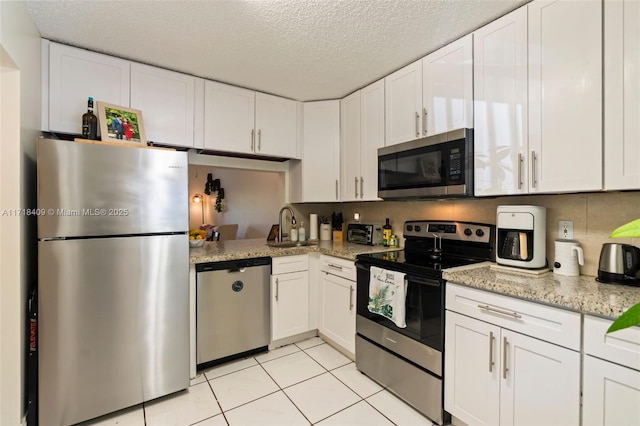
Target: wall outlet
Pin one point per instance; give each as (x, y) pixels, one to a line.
(565, 229)
(356, 217)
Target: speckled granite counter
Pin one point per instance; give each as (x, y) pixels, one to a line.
(246, 249)
(583, 294)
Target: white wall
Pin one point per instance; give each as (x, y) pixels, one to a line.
(19, 124)
(252, 199)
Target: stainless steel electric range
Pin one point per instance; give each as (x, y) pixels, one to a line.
(409, 361)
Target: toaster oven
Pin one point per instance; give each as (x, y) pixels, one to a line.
(361, 233)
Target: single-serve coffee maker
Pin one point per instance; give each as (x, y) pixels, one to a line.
(521, 236)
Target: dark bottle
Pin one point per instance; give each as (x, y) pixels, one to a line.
(386, 233)
(89, 122)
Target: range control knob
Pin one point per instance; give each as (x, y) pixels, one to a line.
(479, 232)
(410, 228)
(418, 228)
(468, 232)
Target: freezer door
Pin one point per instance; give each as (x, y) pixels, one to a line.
(90, 189)
(113, 324)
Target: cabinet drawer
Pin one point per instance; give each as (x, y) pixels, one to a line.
(286, 264)
(621, 347)
(551, 324)
(341, 267)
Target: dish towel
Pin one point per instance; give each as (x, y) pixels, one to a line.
(387, 293)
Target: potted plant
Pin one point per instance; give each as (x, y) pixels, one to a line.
(632, 316)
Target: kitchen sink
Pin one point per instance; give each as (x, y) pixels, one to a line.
(285, 244)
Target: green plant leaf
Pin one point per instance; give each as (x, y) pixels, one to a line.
(628, 319)
(629, 230)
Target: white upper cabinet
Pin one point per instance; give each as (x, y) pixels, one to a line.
(447, 88)
(276, 126)
(166, 99)
(565, 95)
(317, 177)
(621, 94)
(500, 106)
(362, 133)
(371, 138)
(229, 118)
(245, 122)
(350, 123)
(77, 74)
(403, 104)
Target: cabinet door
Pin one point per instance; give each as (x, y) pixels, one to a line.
(540, 382)
(276, 126)
(338, 311)
(500, 106)
(621, 94)
(611, 394)
(448, 87)
(565, 95)
(289, 304)
(472, 370)
(166, 99)
(229, 118)
(321, 151)
(403, 104)
(371, 138)
(77, 74)
(350, 146)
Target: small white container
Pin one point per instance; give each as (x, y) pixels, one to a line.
(293, 234)
(301, 232)
(325, 232)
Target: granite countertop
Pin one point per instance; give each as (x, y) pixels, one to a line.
(246, 249)
(582, 294)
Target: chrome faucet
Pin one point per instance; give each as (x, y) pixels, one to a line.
(293, 222)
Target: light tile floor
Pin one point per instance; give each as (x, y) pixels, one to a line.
(308, 382)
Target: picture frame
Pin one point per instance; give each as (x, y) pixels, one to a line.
(273, 233)
(129, 132)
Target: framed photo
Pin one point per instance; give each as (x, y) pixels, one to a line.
(273, 233)
(121, 124)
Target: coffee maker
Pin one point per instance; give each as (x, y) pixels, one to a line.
(521, 236)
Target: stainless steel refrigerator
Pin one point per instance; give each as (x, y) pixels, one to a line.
(113, 271)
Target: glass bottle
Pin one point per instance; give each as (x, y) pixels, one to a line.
(89, 122)
(386, 233)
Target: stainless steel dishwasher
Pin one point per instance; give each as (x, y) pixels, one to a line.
(232, 309)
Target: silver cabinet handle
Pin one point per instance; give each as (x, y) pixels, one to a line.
(356, 187)
(504, 358)
(491, 339)
(253, 139)
(336, 189)
(331, 265)
(533, 169)
(417, 125)
(277, 288)
(424, 121)
(350, 297)
(500, 311)
(520, 160)
(259, 139)
(361, 187)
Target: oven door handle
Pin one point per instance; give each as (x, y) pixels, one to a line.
(423, 281)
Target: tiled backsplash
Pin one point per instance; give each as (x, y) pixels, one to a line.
(594, 215)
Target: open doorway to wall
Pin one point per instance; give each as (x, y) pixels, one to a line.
(252, 199)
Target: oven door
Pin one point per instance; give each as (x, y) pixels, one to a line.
(422, 340)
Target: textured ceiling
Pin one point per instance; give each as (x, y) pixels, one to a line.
(299, 49)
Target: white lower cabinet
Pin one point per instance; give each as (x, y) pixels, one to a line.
(289, 296)
(337, 319)
(611, 385)
(496, 376)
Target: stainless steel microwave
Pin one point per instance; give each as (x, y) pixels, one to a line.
(437, 166)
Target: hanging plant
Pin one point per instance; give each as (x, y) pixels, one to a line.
(209, 185)
(219, 199)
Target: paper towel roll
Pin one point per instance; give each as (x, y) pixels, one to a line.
(313, 226)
